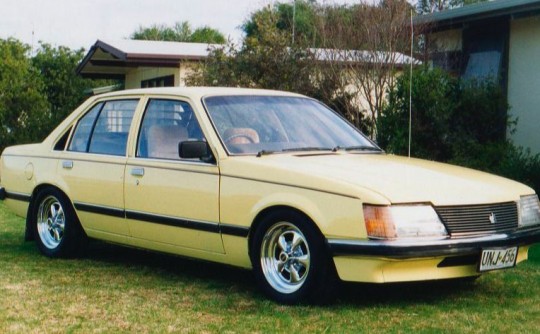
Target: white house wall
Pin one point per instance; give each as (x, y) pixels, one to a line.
(448, 40)
(524, 81)
(136, 75)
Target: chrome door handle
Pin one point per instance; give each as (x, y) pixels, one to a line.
(67, 164)
(137, 171)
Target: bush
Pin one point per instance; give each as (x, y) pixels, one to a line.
(434, 95)
(463, 123)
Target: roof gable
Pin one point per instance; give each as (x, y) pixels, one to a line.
(111, 58)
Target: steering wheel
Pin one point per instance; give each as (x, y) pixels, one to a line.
(240, 139)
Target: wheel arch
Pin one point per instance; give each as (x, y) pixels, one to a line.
(28, 233)
(259, 218)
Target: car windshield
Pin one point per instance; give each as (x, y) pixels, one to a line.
(269, 124)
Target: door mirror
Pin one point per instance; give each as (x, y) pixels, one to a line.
(195, 149)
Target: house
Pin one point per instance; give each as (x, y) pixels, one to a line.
(143, 64)
(499, 39)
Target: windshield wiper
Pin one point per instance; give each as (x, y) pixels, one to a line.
(358, 148)
(294, 149)
(264, 152)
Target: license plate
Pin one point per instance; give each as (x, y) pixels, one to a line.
(497, 258)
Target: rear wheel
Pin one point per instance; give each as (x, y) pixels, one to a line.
(290, 260)
(56, 228)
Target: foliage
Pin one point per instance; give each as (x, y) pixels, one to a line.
(434, 96)
(23, 107)
(63, 89)
(355, 61)
(207, 35)
(365, 48)
(267, 60)
(264, 60)
(464, 123)
(180, 32)
(37, 93)
(302, 14)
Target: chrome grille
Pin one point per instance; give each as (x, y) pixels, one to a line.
(470, 220)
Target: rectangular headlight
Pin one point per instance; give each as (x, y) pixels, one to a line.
(529, 211)
(403, 221)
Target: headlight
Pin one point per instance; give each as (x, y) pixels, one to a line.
(529, 211)
(403, 221)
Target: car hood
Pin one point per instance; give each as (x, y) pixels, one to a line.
(379, 177)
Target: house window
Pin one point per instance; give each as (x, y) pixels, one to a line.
(166, 81)
(485, 51)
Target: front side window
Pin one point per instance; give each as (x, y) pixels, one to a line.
(254, 124)
(105, 128)
(166, 123)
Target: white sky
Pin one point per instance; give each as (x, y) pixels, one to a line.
(79, 23)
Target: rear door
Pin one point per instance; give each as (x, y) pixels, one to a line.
(92, 167)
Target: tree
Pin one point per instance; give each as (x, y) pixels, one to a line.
(23, 107)
(207, 35)
(363, 45)
(301, 14)
(37, 93)
(266, 59)
(180, 32)
(63, 89)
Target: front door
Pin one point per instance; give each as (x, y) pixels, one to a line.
(171, 204)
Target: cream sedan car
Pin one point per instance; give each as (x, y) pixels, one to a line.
(271, 181)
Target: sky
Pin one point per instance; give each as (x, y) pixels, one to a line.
(79, 23)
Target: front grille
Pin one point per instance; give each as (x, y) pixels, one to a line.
(472, 220)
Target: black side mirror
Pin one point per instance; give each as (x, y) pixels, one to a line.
(195, 149)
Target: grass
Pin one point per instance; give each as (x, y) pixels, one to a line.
(115, 289)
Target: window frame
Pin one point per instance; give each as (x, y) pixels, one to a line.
(94, 123)
(149, 99)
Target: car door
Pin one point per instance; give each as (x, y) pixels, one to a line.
(171, 203)
(92, 167)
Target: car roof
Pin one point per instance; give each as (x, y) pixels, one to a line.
(199, 92)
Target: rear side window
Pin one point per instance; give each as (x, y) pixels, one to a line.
(81, 137)
(104, 129)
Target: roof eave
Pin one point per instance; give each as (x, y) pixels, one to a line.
(477, 12)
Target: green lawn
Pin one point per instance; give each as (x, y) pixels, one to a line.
(115, 289)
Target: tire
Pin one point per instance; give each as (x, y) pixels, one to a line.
(290, 259)
(57, 231)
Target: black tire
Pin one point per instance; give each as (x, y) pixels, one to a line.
(303, 271)
(56, 228)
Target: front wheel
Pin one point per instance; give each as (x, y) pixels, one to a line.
(290, 260)
(56, 227)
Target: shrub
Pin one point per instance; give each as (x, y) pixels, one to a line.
(434, 95)
(463, 123)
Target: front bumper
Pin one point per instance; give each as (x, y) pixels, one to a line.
(432, 248)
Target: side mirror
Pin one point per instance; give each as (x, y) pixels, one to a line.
(196, 149)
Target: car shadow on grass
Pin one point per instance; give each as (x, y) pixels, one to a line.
(404, 293)
(219, 277)
(171, 266)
